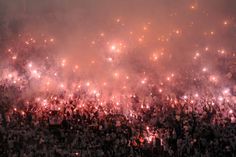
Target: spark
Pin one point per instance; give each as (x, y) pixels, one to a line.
(88, 84)
(10, 75)
(109, 59)
(62, 85)
(118, 20)
(222, 51)
(93, 42)
(76, 67)
(14, 57)
(51, 40)
(30, 65)
(204, 69)
(226, 23)
(193, 7)
(220, 98)
(113, 47)
(116, 74)
(144, 81)
(102, 34)
(63, 63)
(213, 78)
(226, 91)
(177, 32)
(140, 39)
(185, 97)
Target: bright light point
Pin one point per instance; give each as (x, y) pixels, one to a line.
(109, 59)
(92, 61)
(118, 20)
(62, 85)
(196, 95)
(193, 7)
(177, 31)
(220, 98)
(213, 78)
(93, 42)
(226, 91)
(14, 57)
(204, 69)
(160, 90)
(94, 91)
(87, 84)
(154, 57)
(116, 74)
(185, 97)
(30, 65)
(63, 63)
(51, 40)
(140, 39)
(222, 51)
(230, 111)
(10, 75)
(144, 81)
(113, 47)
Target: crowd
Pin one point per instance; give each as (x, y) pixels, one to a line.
(82, 126)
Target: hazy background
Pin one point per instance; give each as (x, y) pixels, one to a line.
(77, 25)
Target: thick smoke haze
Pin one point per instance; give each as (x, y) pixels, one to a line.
(112, 41)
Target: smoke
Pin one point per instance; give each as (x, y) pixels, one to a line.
(124, 43)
